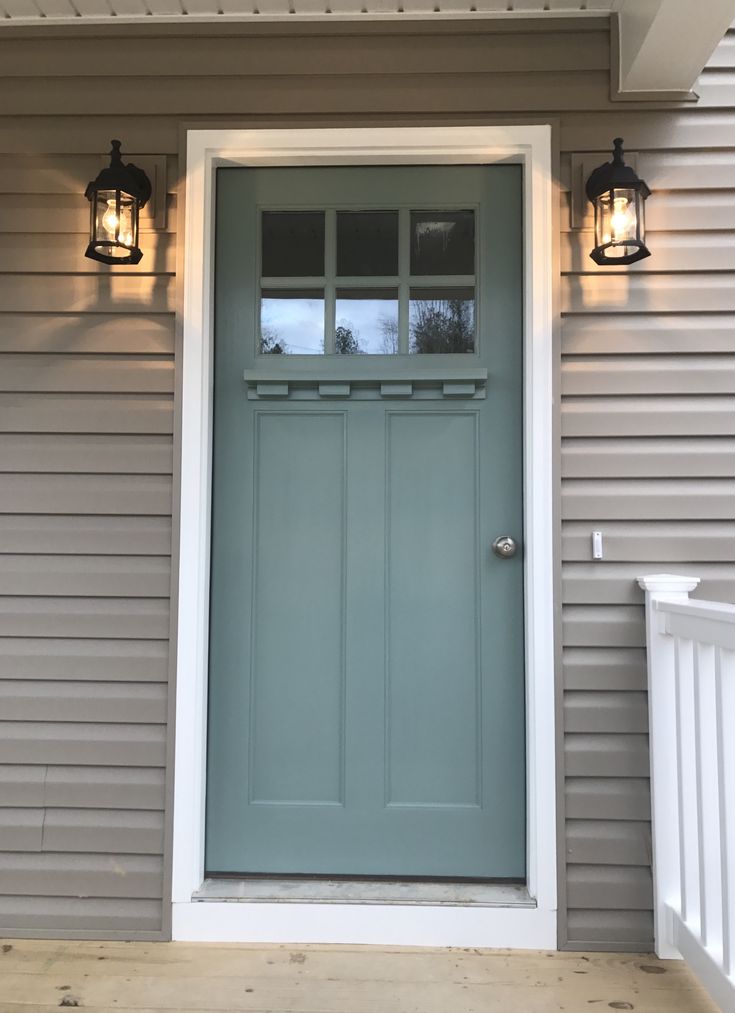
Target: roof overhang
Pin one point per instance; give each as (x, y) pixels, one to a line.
(659, 46)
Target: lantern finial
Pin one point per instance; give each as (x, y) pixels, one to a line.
(115, 156)
(617, 151)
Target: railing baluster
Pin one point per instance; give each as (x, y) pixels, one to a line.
(678, 776)
(691, 902)
(725, 706)
(708, 795)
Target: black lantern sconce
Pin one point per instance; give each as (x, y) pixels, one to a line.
(116, 197)
(618, 196)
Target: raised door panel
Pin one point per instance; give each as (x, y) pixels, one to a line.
(433, 699)
(297, 693)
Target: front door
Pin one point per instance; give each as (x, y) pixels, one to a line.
(366, 684)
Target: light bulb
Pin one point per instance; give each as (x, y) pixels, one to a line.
(622, 219)
(109, 218)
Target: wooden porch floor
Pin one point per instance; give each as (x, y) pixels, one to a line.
(39, 976)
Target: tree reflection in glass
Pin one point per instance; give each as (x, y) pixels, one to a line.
(442, 321)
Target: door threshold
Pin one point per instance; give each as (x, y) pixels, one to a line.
(360, 891)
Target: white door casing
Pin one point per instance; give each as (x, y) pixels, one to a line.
(527, 926)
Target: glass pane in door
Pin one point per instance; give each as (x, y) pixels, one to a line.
(441, 320)
(292, 321)
(367, 321)
(292, 244)
(442, 242)
(367, 243)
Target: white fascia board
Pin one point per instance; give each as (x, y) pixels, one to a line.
(663, 45)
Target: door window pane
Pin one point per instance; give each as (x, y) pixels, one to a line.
(292, 322)
(442, 242)
(367, 243)
(441, 320)
(367, 321)
(293, 244)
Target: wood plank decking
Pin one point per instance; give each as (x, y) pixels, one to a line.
(38, 976)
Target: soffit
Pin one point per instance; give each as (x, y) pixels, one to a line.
(24, 12)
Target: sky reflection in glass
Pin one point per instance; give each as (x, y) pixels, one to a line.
(292, 323)
(367, 321)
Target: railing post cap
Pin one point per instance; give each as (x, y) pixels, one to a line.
(668, 583)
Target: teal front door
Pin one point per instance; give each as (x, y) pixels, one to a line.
(366, 683)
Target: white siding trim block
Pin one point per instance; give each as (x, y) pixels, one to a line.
(532, 926)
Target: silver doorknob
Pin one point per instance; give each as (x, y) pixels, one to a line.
(505, 547)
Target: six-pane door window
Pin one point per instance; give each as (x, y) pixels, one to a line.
(351, 282)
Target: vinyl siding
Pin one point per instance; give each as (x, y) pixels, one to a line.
(86, 415)
(647, 422)
(86, 456)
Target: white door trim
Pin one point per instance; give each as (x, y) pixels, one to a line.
(445, 925)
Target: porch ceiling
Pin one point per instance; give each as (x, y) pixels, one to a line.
(659, 46)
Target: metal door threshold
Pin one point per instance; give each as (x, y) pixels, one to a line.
(361, 891)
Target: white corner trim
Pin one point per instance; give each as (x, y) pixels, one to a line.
(353, 923)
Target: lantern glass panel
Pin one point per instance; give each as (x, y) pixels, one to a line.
(619, 225)
(116, 221)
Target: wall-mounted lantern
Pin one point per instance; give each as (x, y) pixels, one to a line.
(618, 196)
(116, 197)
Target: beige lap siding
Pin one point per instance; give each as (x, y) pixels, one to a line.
(86, 416)
(86, 455)
(648, 457)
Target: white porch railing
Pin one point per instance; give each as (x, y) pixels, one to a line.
(691, 688)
